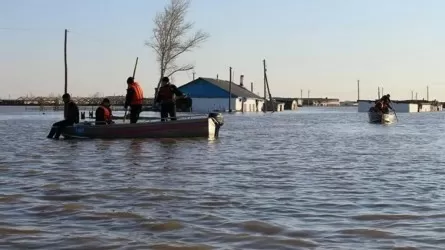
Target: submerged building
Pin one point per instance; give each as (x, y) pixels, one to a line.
(210, 94)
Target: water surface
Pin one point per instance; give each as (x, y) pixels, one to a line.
(318, 178)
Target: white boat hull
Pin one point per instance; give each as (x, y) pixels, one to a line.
(376, 117)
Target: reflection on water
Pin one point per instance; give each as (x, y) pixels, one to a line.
(312, 179)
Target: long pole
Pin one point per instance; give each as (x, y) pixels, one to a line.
(135, 66)
(230, 89)
(134, 74)
(412, 95)
(66, 64)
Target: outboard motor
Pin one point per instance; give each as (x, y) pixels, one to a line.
(218, 118)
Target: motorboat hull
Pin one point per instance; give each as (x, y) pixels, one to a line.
(181, 128)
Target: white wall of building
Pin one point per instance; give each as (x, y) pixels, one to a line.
(363, 106)
(210, 104)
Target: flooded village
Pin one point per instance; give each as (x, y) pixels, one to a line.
(291, 152)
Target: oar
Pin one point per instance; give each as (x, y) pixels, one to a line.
(134, 73)
(395, 113)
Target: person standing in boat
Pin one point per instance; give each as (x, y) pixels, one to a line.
(166, 99)
(134, 99)
(71, 114)
(103, 113)
(386, 106)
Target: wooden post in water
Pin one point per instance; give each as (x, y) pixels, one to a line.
(66, 64)
(230, 89)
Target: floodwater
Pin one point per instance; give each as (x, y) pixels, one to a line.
(318, 178)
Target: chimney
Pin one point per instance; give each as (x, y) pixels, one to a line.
(241, 78)
(251, 87)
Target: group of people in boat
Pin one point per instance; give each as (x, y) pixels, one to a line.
(382, 105)
(165, 100)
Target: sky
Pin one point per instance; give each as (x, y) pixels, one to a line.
(324, 46)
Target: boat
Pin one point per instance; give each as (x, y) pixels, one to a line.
(381, 118)
(183, 127)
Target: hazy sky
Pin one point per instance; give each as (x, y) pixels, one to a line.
(321, 45)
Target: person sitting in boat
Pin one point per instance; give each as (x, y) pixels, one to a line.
(166, 99)
(103, 113)
(71, 114)
(134, 99)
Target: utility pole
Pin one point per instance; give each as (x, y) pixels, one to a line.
(265, 93)
(230, 90)
(427, 93)
(66, 64)
(193, 75)
(358, 90)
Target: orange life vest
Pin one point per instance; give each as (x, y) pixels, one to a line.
(138, 96)
(165, 93)
(107, 113)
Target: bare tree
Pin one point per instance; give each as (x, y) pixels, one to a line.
(170, 37)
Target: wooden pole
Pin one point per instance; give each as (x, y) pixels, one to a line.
(134, 74)
(230, 89)
(66, 64)
(135, 66)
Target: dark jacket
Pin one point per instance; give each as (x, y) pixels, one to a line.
(173, 89)
(129, 97)
(71, 112)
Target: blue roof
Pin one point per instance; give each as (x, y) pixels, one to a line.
(236, 90)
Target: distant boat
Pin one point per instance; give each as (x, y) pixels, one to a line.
(380, 118)
(184, 127)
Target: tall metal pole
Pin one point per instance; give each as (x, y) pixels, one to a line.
(66, 64)
(230, 89)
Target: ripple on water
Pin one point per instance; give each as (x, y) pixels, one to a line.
(320, 179)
